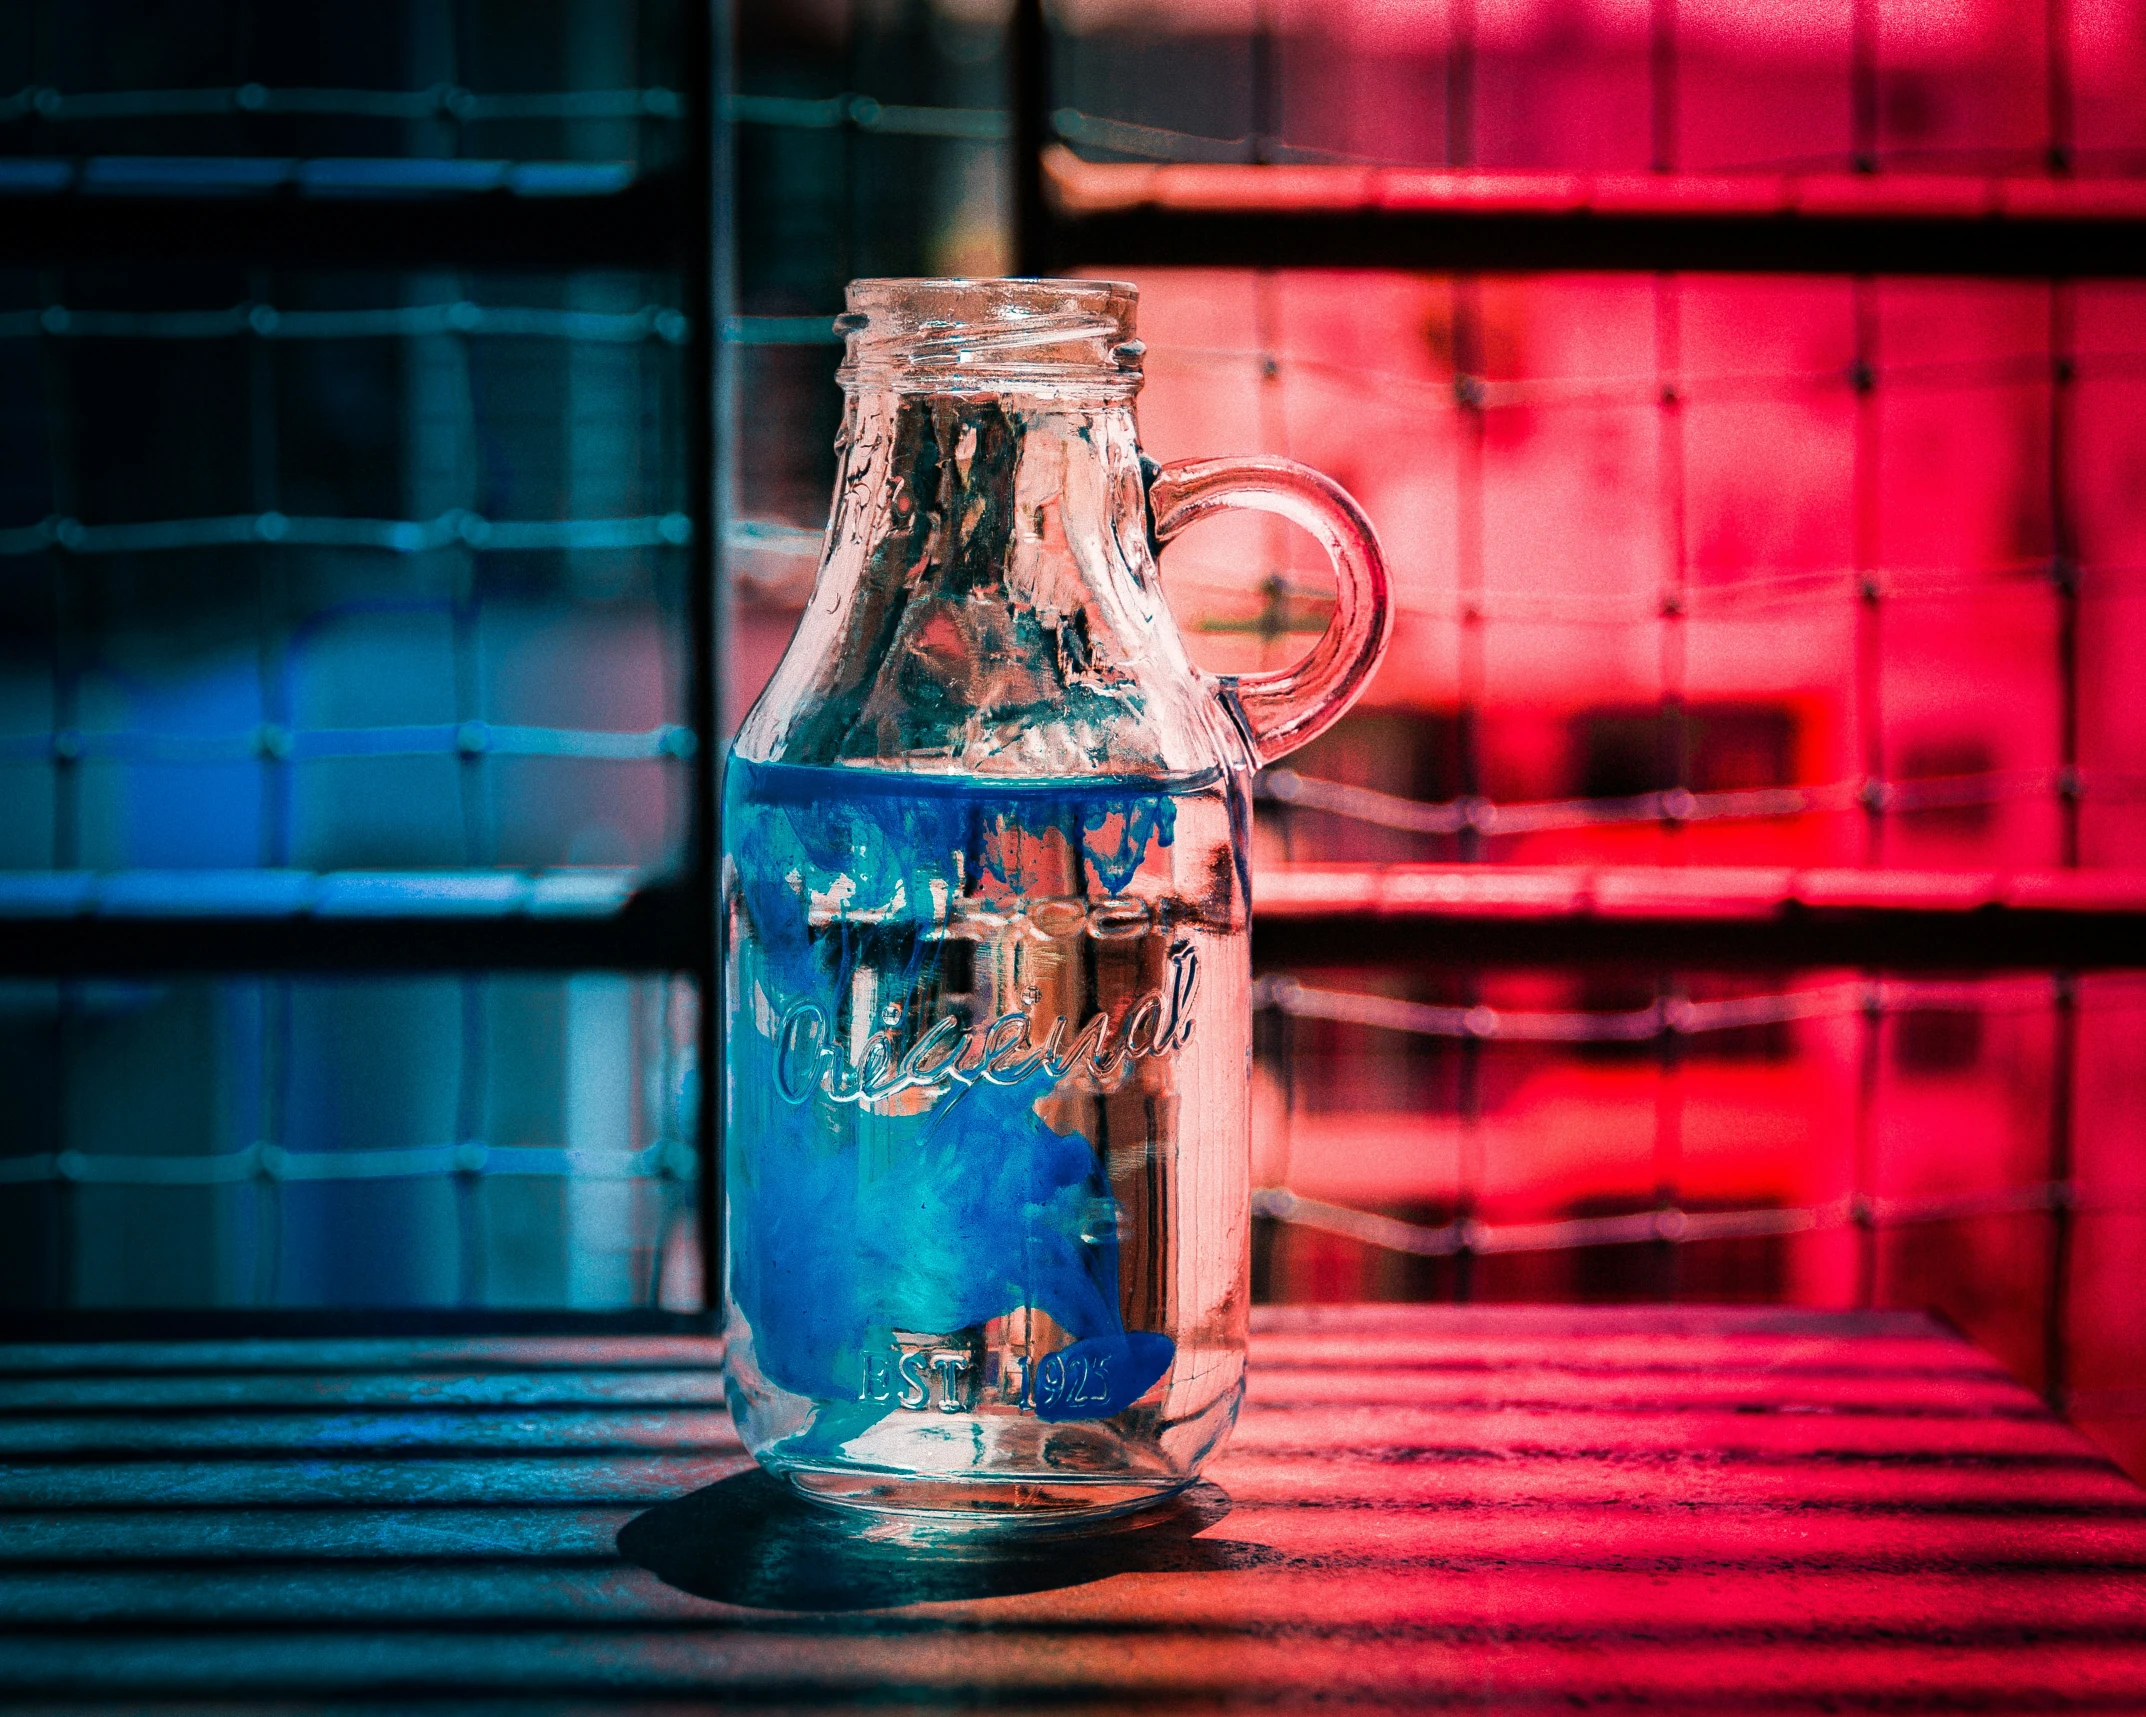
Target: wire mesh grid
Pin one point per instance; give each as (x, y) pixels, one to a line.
(446, 547)
(433, 343)
(1867, 596)
(1878, 601)
(358, 586)
(1686, 591)
(42, 104)
(1867, 593)
(447, 550)
(2032, 88)
(251, 1187)
(1878, 595)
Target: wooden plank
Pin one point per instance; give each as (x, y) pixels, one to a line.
(404, 1430)
(104, 1537)
(1971, 1394)
(193, 1391)
(1421, 1506)
(1709, 1434)
(2087, 1485)
(288, 1481)
(1940, 1668)
(1843, 1332)
(348, 1354)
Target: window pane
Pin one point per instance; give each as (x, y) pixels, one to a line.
(336, 571)
(495, 1141)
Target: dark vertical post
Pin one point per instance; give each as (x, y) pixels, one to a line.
(1029, 60)
(66, 1203)
(1673, 721)
(2057, 22)
(1460, 83)
(710, 267)
(1870, 590)
(2064, 561)
(1273, 438)
(464, 598)
(1270, 1253)
(1863, 1201)
(1469, 395)
(66, 753)
(1266, 125)
(1863, 87)
(278, 1006)
(478, 844)
(2064, 568)
(1470, 1177)
(1662, 89)
(1673, 735)
(278, 795)
(665, 1131)
(2063, 1102)
(272, 646)
(469, 1144)
(1668, 1123)
(67, 603)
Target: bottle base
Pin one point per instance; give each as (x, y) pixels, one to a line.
(998, 1503)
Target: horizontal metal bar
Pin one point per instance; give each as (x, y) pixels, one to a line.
(397, 321)
(1663, 917)
(379, 923)
(1669, 1225)
(560, 220)
(868, 113)
(577, 892)
(115, 1324)
(784, 556)
(437, 101)
(394, 536)
(272, 742)
(1453, 394)
(1676, 1017)
(1679, 805)
(1131, 216)
(665, 1159)
(1307, 916)
(331, 177)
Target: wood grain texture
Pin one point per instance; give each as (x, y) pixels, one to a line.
(1670, 1509)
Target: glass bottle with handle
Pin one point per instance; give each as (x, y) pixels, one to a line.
(985, 911)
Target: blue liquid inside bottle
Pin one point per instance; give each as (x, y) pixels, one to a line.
(967, 1071)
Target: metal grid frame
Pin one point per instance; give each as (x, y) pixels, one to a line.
(445, 214)
(1857, 222)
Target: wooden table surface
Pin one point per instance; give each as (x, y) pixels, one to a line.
(1680, 1508)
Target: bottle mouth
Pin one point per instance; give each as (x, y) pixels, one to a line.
(971, 336)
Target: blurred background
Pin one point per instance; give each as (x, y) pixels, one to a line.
(361, 610)
(353, 505)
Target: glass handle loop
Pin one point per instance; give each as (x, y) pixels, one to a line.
(1283, 710)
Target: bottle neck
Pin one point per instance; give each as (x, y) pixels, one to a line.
(981, 493)
(987, 598)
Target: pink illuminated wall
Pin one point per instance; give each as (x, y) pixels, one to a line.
(1830, 521)
(1856, 501)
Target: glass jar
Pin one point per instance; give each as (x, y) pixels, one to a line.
(985, 908)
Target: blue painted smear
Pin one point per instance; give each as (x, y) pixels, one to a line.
(847, 1226)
